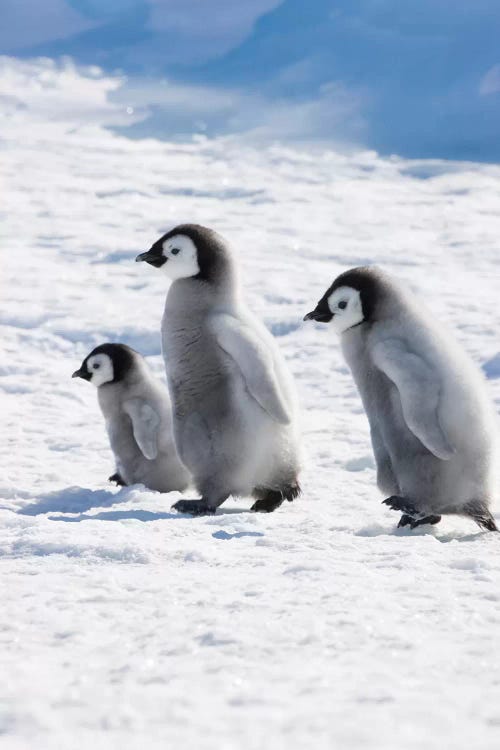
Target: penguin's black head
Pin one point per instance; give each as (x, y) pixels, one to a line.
(189, 251)
(350, 300)
(107, 363)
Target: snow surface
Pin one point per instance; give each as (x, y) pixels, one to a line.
(124, 625)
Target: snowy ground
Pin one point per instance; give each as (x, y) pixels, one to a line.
(125, 626)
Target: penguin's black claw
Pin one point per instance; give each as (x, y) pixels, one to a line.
(193, 507)
(117, 479)
(395, 502)
(268, 502)
(431, 520)
(407, 520)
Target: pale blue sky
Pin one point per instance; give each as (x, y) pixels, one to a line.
(413, 77)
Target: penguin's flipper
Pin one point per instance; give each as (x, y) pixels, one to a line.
(419, 389)
(255, 362)
(145, 423)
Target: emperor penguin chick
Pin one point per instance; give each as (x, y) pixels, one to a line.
(137, 411)
(432, 425)
(235, 421)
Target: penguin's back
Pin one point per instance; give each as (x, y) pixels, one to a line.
(463, 411)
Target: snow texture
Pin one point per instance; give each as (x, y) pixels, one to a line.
(124, 625)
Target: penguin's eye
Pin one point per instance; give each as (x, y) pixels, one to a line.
(175, 250)
(96, 366)
(342, 304)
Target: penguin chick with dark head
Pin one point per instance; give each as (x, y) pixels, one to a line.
(138, 417)
(235, 417)
(432, 424)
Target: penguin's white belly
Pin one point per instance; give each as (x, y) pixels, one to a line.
(221, 429)
(261, 439)
(223, 435)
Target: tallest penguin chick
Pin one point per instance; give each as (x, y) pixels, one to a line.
(432, 425)
(233, 399)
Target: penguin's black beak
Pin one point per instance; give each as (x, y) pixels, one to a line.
(321, 313)
(85, 374)
(154, 257)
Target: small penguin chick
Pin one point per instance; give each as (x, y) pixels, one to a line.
(235, 421)
(138, 417)
(432, 425)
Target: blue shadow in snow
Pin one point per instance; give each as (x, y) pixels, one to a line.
(237, 535)
(119, 515)
(74, 500)
(492, 367)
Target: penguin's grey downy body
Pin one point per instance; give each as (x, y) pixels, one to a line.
(433, 427)
(138, 417)
(235, 420)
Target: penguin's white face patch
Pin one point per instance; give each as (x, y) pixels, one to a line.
(346, 308)
(181, 256)
(100, 367)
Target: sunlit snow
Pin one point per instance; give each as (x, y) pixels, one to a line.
(124, 625)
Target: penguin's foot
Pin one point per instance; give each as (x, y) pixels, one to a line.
(407, 520)
(268, 501)
(291, 491)
(117, 479)
(396, 502)
(194, 507)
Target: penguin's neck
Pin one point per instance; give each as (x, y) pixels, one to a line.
(134, 375)
(191, 298)
(353, 341)
(137, 374)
